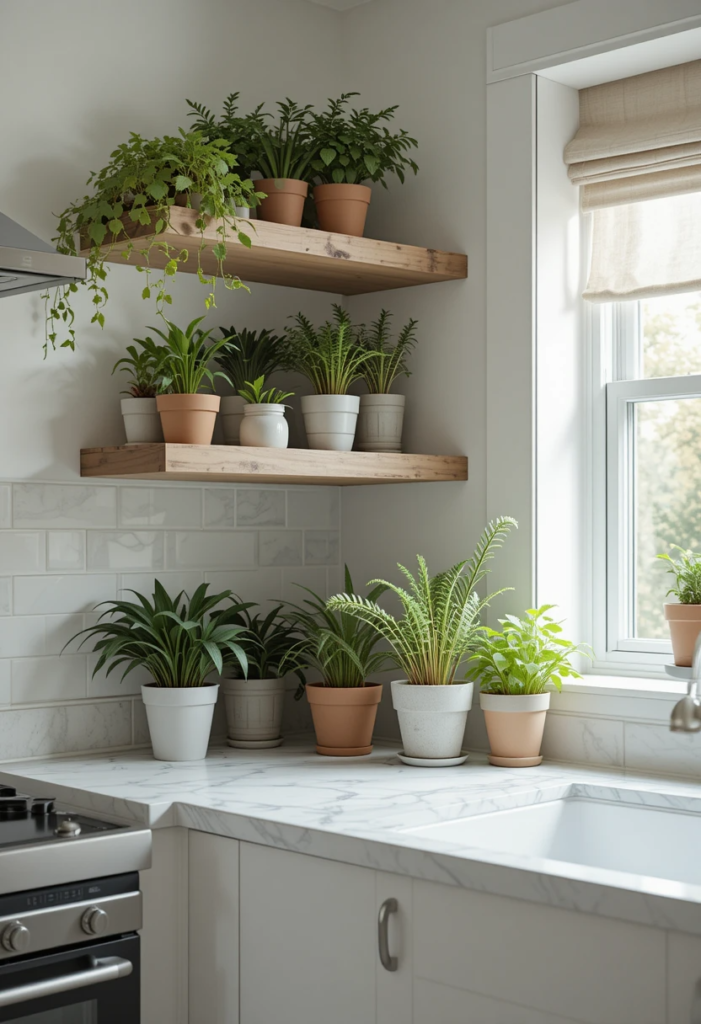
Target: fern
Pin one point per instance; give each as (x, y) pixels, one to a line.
(386, 362)
(329, 357)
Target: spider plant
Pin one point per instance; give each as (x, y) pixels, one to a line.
(284, 149)
(329, 356)
(253, 393)
(144, 368)
(387, 361)
(254, 354)
(179, 640)
(267, 640)
(440, 624)
(338, 645)
(186, 356)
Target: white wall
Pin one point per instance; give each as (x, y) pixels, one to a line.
(77, 78)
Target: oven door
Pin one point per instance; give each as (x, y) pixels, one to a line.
(95, 984)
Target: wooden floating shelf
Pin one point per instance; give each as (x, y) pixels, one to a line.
(225, 463)
(299, 257)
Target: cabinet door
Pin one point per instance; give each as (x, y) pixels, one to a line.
(213, 927)
(308, 939)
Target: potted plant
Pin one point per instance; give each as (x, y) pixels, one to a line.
(254, 354)
(188, 416)
(142, 423)
(180, 641)
(137, 189)
(438, 629)
(255, 702)
(684, 615)
(341, 648)
(513, 667)
(264, 424)
(332, 360)
(352, 147)
(381, 417)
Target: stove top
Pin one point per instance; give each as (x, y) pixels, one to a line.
(28, 820)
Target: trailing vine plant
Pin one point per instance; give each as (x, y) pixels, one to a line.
(137, 189)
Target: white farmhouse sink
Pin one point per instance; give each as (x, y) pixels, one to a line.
(604, 828)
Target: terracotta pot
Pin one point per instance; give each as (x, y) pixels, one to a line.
(344, 717)
(188, 419)
(684, 627)
(515, 724)
(342, 208)
(285, 200)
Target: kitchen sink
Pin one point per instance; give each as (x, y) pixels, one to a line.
(619, 830)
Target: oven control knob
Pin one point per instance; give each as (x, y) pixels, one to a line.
(95, 921)
(16, 937)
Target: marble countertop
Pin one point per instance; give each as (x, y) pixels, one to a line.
(355, 811)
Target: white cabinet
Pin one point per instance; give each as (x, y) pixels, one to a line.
(165, 931)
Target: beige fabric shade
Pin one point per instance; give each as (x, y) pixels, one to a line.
(639, 138)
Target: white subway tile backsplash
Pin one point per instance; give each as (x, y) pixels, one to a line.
(220, 508)
(312, 577)
(314, 508)
(5, 595)
(160, 507)
(37, 595)
(144, 583)
(61, 634)
(53, 506)
(34, 732)
(201, 550)
(675, 753)
(321, 547)
(259, 585)
(5, 682)
(103, 685)
(22, 552)
(260, 508)
(123, 551)
(40, 680)
(280, 547)
(5, 506)
(142, 736)
(583, 740)
(65, 550)
(22, 637)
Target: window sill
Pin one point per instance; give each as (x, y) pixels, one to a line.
(626, 697)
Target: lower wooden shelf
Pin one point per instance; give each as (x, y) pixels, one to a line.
(227, 463)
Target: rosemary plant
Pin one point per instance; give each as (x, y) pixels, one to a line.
(330, 356)
(387, 362)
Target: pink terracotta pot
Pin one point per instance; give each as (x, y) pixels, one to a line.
(188, 419)
(684, 627)
(515, 725)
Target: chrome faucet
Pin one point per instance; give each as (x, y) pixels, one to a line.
(686, 714)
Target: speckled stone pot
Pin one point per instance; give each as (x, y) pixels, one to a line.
(432, 719)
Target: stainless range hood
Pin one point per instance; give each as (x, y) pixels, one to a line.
(27, 264)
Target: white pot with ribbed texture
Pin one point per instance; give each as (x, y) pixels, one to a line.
(432, 719)
(142, 422)
(330, 421)
(380, 423)
(179, 720)
(264, 426)
(253, 711)
(231, 412)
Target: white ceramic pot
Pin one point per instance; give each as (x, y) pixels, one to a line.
(330, 421)
(253, 711)
(231, 412)
(432, 719)
(380, 423)
(244, 212)
(142, 422)
(179, 720)
(264, 426)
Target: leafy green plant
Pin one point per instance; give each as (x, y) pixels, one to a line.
(253, 393)
(352, 146)
(330, 356)
(186, 357)
(387, 362)
(524, 656)
(440, 624)
(179, 640)
(255, 354)
(269, 641)
(339, 646)
(135, 190)
(282, 149)
(686, 569)
(144, 368)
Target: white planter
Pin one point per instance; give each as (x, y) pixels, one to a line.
(514, 702)
(432, 719)
(253, 711)
(244, 212)
(142, 422)
(231, 412)
(264, 426)
(380, 423)
(330, 421)
(180, 720)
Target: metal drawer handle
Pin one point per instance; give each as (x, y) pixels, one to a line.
(110, 968)
(390, 963)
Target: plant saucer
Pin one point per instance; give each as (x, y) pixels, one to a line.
(678, 671)
(255, 744)
(432, 762)
(515, 762)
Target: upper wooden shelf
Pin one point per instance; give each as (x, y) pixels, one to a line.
(226, 463)
(302, 257)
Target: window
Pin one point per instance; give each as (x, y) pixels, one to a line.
(649, 373)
